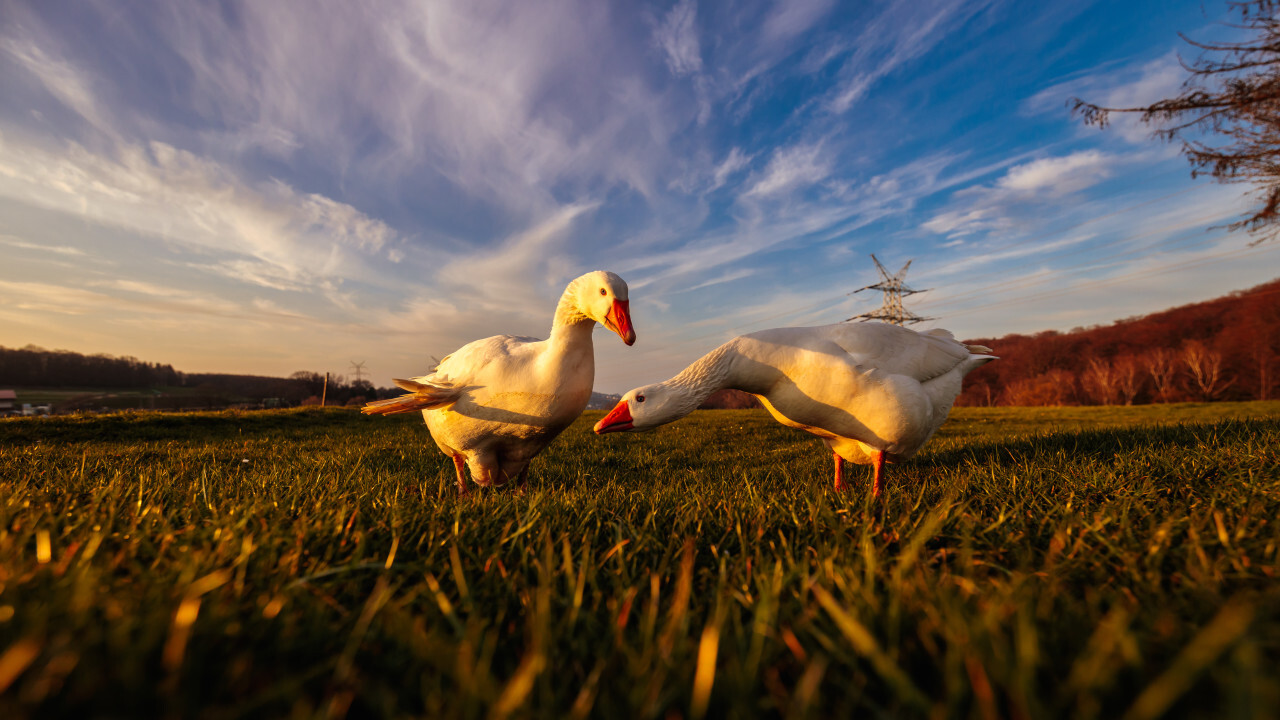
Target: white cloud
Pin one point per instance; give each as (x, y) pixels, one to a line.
(63, 300)
(790, 18)
(497, 102)
(59, 77)
(1057, 176)
(732, 276)
(733, 162)
(529, 269)
(12, 241)
(1131, 86)
(1019, 191)
(899, 34)
(269, 230)
(791, 168)
(677, 37)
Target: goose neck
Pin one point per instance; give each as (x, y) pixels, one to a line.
(570, 324)
(706, 375)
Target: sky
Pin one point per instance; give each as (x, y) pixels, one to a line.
(267, 187)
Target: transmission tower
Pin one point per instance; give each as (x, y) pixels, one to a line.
(894, 288)
(357, 369)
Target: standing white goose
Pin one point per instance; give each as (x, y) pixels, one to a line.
(874, 393)
(496, 403)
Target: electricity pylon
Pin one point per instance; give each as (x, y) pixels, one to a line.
(893, 287)
(357, 368)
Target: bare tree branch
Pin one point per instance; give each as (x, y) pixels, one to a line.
(1233, 91)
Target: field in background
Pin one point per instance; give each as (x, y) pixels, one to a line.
(1046, 562)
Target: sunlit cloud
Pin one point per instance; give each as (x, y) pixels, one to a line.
(1022, 188)
(277, 235)
(399, 180)
(63, 250)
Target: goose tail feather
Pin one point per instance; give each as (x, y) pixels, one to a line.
(422, 396)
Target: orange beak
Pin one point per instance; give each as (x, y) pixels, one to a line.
(619, 418)
(619, 321)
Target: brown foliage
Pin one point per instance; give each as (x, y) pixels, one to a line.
(1100, 382)
(1162, 365)
(729, 399)
(1204, 366)
(1140, 357)
(1128, 378)
(1055, 387)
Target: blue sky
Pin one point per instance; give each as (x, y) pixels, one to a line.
(265, 187)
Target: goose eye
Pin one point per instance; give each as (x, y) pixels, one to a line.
(639, 398)
(602, 292)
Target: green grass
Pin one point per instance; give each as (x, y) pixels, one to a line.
(118, 398)
(1069, 562)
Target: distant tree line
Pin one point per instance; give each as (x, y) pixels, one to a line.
(32, 367)
(1223, 349)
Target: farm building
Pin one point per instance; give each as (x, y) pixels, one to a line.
(8, 401)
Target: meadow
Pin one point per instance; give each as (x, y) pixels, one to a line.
(1029, 563)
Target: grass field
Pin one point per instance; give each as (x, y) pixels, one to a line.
(1030, 563)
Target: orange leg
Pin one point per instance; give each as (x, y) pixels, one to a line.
(839, 473)
(877, 460)
(458, 462)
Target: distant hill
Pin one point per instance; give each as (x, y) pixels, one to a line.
(1222, 349)
(601, 401)
(100, 376)
(162, 387)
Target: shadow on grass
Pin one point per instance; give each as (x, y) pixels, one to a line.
(156, 426)
(1101, 443)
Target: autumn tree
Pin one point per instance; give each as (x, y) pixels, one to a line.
(1128, 378)
(1054, 387)
(1099, 380)
(1204, 366)
(1161, 365)
(1229, 97)
(1264, 362)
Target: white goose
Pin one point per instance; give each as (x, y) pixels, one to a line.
(874, 393)
(496, 403)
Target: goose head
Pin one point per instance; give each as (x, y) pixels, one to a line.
(644, 408)
(602, 296)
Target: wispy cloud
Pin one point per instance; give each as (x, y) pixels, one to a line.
(260, 230)
(677, 37)
(1022, 188)
(790, 168)
(789, 18)
(62, 80)
(527, 270)
(63, 250)
(901, 33)
(1129, 86)
(406, 178)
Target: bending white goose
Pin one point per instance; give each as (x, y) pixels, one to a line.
(874, 393)
(496, 403)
